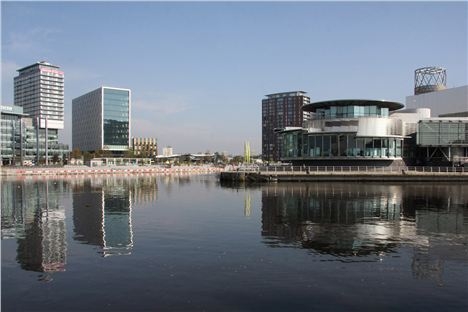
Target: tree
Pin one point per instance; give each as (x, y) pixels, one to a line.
(237, 159)
(55, 158)
(76, 153)
(129, 154)
(220, 158)
(87, 156)
(103, 153)
(42, 160)
(185, 159)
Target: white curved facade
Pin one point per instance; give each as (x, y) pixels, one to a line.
(380, 127)
(347, 130)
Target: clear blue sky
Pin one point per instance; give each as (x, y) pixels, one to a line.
(199, 70)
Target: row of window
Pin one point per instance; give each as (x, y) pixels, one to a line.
(351, 111)
(43, 85)
(442, 134)
(339, 145)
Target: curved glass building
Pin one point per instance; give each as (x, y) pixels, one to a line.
(346, 132)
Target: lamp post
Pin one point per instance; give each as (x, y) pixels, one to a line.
(46, 144)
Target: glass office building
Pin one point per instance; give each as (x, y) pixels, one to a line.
(10, 131)
(101, 120)
(24, 142)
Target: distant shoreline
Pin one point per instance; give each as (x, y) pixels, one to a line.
(119, 170)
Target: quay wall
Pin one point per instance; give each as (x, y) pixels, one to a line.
(402, 176)
(83, 170)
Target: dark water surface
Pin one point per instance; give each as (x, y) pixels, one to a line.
(187, 243)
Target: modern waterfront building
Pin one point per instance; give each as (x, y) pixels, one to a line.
(145, 147)
(10, 132)
(443, 140)
(101, 120)
(451, 100)
(430, 91)
(24, 142)
(39, 90)
(381, 133)
(280, 110)
(346, 132)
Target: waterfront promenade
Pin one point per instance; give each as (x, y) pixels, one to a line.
(343, 173)
(120, 170)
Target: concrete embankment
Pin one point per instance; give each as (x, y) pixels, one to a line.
(83, 170)
(239, 176)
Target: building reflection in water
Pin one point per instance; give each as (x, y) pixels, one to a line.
(34, 215)
(102, 211)
(336, 219)
(352, 220)
(247, 204)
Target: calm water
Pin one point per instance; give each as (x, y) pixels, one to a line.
(185, 243)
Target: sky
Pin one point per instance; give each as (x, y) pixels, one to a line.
(198, 71)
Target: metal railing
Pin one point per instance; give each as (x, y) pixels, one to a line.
(390, 169)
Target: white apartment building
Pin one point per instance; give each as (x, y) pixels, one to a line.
(39, 90)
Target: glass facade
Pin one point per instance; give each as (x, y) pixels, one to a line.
(351, 111)
(300, 144)
(116, 118)
(442, 133)
(10, 129)
(23, 143)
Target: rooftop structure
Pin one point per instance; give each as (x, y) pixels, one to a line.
(429, 79)
(285, 94)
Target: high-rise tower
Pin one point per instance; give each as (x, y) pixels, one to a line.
(39, 90)
(280, 110)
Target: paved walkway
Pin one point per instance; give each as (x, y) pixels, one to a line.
(84, 170)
